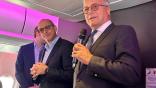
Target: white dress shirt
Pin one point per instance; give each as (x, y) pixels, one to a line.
(100, 30)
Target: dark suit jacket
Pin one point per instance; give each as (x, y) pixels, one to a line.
(116, 60)
(60, 72)
(24, 62)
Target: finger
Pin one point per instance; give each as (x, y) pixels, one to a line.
(40, 63)
(76, 54)
(77, 48)
(34, 65)
(31, 69)
(79, 44)
(37, 66)
(33, 72)
(35, 75)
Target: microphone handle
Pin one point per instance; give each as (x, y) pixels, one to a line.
(74, 62)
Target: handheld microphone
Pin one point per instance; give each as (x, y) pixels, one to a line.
(81, 39)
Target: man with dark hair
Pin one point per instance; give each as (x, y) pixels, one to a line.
(111, 57)
(55, 69)
(27, 56)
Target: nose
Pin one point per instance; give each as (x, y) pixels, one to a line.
(45, 32)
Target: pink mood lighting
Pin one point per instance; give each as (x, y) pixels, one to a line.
(15, 35)
(9, 27)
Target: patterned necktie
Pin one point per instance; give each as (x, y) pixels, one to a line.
(79, 64)
(88, 45)
(90, 40)
(41, 54)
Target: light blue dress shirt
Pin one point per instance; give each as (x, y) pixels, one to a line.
(36, 52)
(49, 48)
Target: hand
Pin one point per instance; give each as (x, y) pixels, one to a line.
(38, 69)
(33, 71)
(41, 68)
(81, 53)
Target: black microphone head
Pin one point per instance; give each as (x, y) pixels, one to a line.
(82, 34)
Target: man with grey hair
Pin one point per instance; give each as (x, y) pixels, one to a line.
(110, 58)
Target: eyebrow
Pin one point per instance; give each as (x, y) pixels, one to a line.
(46, 25)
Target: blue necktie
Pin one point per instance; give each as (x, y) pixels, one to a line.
(90, 40)
(41, 54)
(89, 44)
(80, 66)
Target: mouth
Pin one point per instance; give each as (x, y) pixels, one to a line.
(92, 18)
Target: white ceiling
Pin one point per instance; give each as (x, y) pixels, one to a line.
(71, 9)
(13, 41)
(67, 9)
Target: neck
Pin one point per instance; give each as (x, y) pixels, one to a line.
(49, 41)
(97, 26)
(38, 44)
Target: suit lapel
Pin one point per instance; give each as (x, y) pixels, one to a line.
(32, 53)
(93, 47)
(86, 39)
(102, 36)
(55, 48)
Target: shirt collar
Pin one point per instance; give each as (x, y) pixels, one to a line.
(35, 45)
(51, 44)
(103, 27)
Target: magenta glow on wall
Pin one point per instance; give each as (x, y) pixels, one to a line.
(14, 24)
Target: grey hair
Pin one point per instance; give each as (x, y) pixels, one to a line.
(106, 2)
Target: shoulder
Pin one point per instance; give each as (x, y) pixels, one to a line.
(125, 32)
(66, 42)
(66, 46)
(125, 28)
(27, 45)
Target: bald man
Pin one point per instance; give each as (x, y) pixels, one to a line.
(55, 70)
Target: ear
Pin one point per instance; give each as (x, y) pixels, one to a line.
(55, 29)
(108, 11)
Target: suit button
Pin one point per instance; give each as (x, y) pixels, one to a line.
(95, 75)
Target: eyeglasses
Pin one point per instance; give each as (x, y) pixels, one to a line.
(93, 7)
(46, 28)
